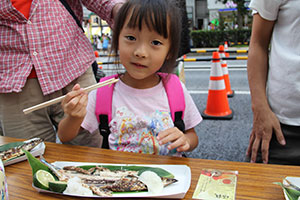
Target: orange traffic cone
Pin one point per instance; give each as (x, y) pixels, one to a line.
(96, 54)
(217, 106)
(226, 48)
(230, 93)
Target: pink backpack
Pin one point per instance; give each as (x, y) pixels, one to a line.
(174, 92)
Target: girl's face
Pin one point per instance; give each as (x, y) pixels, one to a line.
(142, 52)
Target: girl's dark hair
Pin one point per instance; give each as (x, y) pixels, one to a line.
(161, 16)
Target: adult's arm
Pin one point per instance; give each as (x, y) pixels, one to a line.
(265, 121)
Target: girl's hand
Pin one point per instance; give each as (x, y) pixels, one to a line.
(176, 138)
(75, 102)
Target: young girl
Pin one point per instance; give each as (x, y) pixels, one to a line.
(146, 36)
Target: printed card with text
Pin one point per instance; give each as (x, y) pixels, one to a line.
(216, 184)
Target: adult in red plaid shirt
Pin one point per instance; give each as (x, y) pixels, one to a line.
(43, 54)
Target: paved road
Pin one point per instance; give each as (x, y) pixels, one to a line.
(221, 139)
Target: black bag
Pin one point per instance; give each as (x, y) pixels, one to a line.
(97, 72)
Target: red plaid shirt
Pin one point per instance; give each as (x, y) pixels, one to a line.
(49, 40)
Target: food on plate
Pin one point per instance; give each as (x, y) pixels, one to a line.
(76, 187)
(17, 151)
(42, 178)
(57, 186)
(153, 181)
(95, 175)
(103, 181)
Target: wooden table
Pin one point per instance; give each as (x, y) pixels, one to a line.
(255, 181)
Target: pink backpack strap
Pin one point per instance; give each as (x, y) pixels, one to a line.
(104, 97)
(175, 93)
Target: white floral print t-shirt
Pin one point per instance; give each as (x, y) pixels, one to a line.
(138, 115)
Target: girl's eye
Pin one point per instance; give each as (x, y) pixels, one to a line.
(129, 37)
(156, 42)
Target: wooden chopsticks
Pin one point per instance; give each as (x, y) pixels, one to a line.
(59, 99)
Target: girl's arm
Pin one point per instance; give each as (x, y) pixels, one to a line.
(74, 106)
(192, 139)
(187, 141)
(68, 128)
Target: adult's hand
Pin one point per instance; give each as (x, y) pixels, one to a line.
(265, 123)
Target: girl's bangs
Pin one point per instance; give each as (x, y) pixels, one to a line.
(154, 18)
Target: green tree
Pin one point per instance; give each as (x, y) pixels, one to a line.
(241, 10)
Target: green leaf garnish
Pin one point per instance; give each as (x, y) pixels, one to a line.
(35, 163)
(10, 145)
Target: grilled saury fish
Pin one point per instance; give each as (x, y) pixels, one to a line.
(103, 181)
(15, 152)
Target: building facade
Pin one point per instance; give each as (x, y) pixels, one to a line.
(198, 13)
(201, 12)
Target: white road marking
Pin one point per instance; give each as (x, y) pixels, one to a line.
(199, 69)
(206, 92)
(208, 66)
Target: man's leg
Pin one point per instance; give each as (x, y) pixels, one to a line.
(290, 153)
(15, 123)
(1, 131)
